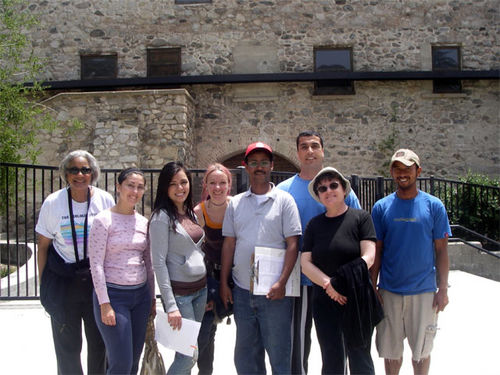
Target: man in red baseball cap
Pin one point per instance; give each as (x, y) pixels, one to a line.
(258, 146)
(262, 216)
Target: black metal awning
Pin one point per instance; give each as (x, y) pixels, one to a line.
(171, 81)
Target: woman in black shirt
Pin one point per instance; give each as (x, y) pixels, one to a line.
(337, 241)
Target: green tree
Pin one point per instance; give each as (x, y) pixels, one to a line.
(476, 206)
(480, 205)
(21, 116)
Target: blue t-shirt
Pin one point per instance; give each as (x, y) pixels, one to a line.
(408, 228)
(308, 206)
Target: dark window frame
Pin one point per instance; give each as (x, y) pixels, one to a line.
(334, 87)
(446, 85)
(153, 67)
(86, 67)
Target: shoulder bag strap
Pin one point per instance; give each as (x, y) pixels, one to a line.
(73, 230)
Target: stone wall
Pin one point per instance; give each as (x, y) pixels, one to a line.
(272, 35)
(465, 258)
(452, 133)
(144, 128)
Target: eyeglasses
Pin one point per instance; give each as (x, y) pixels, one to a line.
(262, 163)
(82, 170)
(324, 188)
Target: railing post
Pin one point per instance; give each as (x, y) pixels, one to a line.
(431, 182)
(355, 184)
(379, 188)
(241, 180)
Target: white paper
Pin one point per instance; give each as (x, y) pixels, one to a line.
(268, 264)
(184, 341)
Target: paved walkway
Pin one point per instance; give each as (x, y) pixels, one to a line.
(467, 342)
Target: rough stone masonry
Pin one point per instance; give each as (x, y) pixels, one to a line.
(204, 123)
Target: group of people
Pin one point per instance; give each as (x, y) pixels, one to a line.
(98, 262)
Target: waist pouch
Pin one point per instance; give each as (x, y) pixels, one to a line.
(70, 270)
(56, 277)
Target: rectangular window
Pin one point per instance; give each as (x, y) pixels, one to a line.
(99, 66)
(164, 62)
(333, 60)
(445, 59)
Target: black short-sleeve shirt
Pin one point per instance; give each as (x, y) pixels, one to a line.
(335, 241)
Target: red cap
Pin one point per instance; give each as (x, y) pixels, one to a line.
(258, 146)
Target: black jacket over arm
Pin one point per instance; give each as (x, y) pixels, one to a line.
(363, 310)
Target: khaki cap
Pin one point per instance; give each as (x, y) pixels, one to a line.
(405, 156)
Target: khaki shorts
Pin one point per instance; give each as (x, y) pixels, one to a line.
(411, 317)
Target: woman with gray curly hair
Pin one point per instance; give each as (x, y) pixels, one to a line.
(63, 228)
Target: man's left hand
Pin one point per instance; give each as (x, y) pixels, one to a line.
(440, 299)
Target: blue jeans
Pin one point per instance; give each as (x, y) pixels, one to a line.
(191, 307)
(125, 340)
(262, 325)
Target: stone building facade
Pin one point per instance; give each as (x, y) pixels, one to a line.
(203, 122)
(121, 128)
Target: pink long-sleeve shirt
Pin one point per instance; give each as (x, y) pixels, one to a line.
(119, 252)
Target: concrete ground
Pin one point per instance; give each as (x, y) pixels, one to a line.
(467, 342)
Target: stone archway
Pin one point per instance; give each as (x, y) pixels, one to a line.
(281, 164)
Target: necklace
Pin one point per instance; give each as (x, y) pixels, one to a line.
(217, 205)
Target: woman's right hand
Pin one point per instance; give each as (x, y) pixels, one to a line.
(175, 319)
(333, 294)
(108, 316)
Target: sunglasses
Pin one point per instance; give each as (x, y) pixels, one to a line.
(324, 188)
(83, 170)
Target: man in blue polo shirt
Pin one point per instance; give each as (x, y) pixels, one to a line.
(262, 216)
(310, 154)
(412, 249)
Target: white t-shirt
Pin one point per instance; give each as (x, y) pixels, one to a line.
(54, 222)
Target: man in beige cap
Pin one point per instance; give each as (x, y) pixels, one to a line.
(412, 249)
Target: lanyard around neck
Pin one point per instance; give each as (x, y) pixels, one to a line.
(73, 230)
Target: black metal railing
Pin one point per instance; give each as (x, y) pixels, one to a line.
(24, 187)
(460, 232)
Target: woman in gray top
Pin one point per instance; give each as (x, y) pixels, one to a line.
(176, 239)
